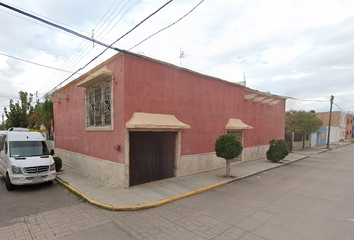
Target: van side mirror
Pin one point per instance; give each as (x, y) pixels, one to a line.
(52, 152)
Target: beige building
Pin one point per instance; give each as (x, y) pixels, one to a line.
(338, 124)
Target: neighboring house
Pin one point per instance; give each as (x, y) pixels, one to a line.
(134, 119)
(338, 124)
(349, 127)
(319, 138)
(353, 128)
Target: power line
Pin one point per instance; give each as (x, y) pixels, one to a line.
(344, 99)
(110, 46)
(2, 100)
(339, 107)
(84, 46)
(38, 64)
(121, 17)
(57, 26)
(167, 26)
(306, 100)
(113, 17)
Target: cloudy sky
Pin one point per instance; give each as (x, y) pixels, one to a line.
(300, 49)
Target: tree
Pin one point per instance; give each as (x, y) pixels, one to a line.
(43, 114)
(48, 115)
(19, 112)
(302, 122)
(228, 147)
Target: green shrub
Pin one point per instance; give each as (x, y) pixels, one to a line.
(58, 163)
(277, 151)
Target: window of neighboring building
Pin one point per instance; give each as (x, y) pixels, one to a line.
(98, 98)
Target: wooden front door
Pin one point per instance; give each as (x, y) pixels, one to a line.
(152, 156)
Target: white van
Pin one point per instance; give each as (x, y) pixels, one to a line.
(25, 158)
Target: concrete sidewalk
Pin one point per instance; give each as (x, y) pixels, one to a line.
(160, 192)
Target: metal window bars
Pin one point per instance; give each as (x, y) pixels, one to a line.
(98, 104)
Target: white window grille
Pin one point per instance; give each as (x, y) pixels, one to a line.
(98, 99)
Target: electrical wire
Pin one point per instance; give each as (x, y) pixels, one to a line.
(122, 17)
(306, 100)
(168, 25)
(344, 99)
(57, 26)
(110, 46)
(82, 50)
(38, 64)
(114, 16)
(84, 47)
(339, 107)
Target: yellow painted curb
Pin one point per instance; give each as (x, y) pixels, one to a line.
(141, 206)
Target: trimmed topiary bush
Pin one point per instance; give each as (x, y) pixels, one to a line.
(277, 151)
(228, 147)
(58, 163)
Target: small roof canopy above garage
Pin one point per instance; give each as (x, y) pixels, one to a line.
(155, 121)
(96, 77)
(235, 124)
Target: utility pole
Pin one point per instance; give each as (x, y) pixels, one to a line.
(330, 121)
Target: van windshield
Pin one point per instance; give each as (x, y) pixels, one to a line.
(28, 148)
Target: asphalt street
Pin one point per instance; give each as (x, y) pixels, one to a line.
(32, 199)
(310, 199)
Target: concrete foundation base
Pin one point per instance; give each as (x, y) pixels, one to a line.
(110, 172)
(191, 164)
(118, 174)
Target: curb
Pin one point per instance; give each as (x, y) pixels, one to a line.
(167, 200)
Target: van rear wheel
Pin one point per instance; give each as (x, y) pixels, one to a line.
(9, 185)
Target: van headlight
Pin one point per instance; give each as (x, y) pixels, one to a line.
(16, 170)
(52, 167)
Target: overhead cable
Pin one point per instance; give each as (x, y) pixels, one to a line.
(38, 64)
(306, 100)
(167, 26)
(339, 107)
(110, 46)
(57, 26)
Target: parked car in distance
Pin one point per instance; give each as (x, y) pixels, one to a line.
(25, 158)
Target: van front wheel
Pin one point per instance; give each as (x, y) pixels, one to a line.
(9, 185)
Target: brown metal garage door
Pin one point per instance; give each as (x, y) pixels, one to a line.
(152, 156)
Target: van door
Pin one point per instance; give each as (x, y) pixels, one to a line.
(3, 154)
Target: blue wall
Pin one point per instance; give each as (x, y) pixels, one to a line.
(321, 141)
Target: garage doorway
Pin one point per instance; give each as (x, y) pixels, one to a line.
(151, 156)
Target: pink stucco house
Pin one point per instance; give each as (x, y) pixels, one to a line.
(134, 119)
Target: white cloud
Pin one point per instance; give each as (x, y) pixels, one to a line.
(293, 48)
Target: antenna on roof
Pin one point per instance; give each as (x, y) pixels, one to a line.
(243, 83)
(182, 54)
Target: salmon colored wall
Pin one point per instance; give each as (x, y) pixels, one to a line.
(69, 117)
(204, 104)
